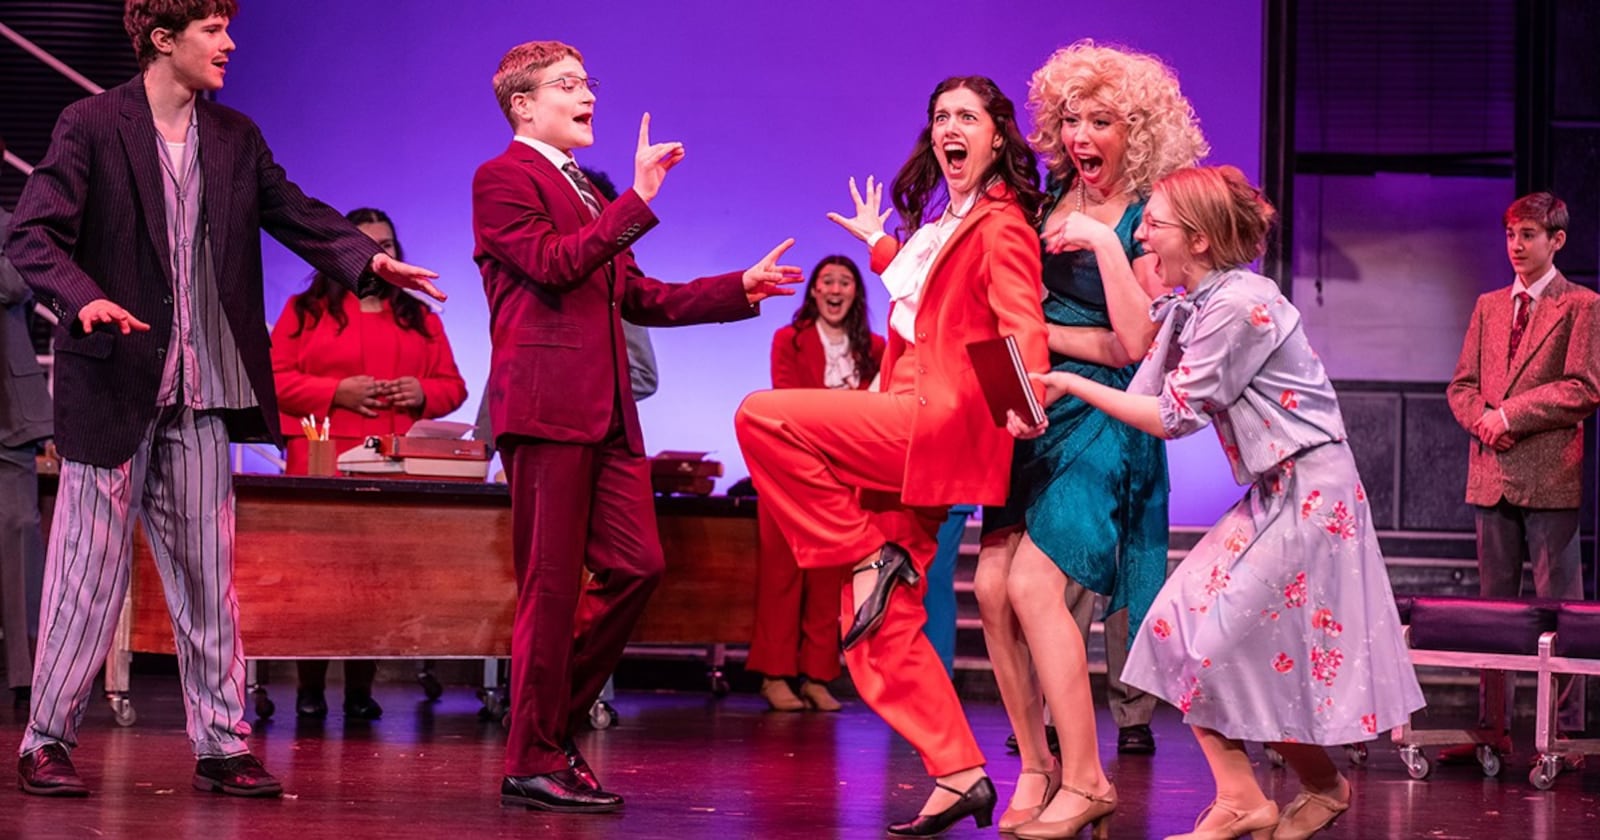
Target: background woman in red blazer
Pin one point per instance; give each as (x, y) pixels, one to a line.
(864, 479)
(828, 344)
(373, 366)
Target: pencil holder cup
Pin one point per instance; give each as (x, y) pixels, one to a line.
(320, 457)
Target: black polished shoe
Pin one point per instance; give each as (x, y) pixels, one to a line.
(48, 771)
(361, 709)
(977, 801)
(561, 791)
(894, 566)
(236, 775)
(1052, 742)
(310, 705)
(579, 767)
(1136, 740)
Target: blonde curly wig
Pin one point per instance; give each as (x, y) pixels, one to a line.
(1163, 131)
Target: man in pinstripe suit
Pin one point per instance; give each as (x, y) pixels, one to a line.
(141, 230)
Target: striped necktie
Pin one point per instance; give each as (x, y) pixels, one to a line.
(585, 189)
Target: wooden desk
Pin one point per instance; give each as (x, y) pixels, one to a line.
(376, 568)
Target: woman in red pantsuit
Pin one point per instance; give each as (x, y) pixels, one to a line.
(372, 366)
(828, 344)
(862, 479)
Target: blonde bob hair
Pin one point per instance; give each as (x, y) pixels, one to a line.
(1163, 131)
(1220, 203)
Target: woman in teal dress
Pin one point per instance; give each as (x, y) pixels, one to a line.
(1088, 495)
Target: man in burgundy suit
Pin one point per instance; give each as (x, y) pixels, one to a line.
(560, 278)
(1528, 376)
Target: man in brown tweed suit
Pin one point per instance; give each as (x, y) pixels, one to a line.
(1529, 375)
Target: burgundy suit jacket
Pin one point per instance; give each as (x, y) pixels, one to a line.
(798, 360)
(559, 283)
(1546, 391)
(91, 223)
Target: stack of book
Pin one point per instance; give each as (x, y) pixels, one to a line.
(687, 473)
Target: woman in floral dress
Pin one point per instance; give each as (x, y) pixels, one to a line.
(1280, 625)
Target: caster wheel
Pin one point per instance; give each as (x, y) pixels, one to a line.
(264, 706)
(602, 715)
(719, 686)
(1275, 757)
(1544, 772)
(1357, 753)
(494, 706)
(122, 711)
(1416, 765)
(430, 686)
(1489, 760)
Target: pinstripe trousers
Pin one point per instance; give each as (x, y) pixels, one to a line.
(179, 485)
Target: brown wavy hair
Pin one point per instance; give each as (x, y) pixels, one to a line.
(142, 17)
(856, 321)
(920, 183)
(325, 296)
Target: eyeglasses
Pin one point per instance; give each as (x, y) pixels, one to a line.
(1154, 223)
(569, 84)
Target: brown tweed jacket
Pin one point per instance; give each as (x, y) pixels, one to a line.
(1546, 392)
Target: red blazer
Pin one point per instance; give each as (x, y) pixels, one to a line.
(798, 360)
(307, 368)
(985, 283)
(559, 282)
(1546, 392)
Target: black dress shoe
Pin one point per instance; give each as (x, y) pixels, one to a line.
(362, 709)
(1052, 742)
(560, 791)
(48, 771)
(977, 801)
(236, 775)
(1136, 740)
(894, 566)
(579, 767)
(310, 705)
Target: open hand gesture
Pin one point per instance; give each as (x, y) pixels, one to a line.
(768, 279)
(867, 220)
(102, 311)
(651, 161)
(406, 275)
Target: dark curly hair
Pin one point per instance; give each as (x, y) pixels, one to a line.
(856, 321)
(920, 181)
(325, 296)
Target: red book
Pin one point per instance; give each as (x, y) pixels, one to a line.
(1006, 387)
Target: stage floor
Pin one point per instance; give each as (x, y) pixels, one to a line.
(689, 766)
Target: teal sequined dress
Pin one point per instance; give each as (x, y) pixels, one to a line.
(1092, 490)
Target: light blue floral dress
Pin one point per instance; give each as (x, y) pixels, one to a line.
(1280, 624)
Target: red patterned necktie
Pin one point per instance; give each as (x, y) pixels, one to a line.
(1519, 320)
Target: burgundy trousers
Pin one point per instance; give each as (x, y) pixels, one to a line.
(588, 556)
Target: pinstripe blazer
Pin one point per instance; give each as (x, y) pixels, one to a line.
(1546, 391)
(91, 224)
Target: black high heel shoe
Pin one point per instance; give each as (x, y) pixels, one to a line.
(893, 565)
(978, 801)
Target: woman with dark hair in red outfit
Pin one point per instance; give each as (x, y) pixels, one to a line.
(828, 344)
(863, 479)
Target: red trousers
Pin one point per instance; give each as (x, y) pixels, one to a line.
(797, 611)
(811, 454)
(573, 507)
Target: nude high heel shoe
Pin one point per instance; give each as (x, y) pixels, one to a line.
(1098, 814)
(1310, 813)
(1014, 818)
(1257, 823)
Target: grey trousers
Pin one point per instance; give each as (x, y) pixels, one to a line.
(21, 560)
(180, 487)
(1508, 537)
(1129, 705)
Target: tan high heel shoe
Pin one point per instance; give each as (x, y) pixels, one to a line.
(1014, 818)
(817, 695)
(1098, 814)
(1258, 823)
(780, 696)
(1310, 813)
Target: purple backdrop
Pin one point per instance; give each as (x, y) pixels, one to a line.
(387, 103)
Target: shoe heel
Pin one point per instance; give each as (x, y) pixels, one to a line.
(1265, 833)
(1102, 828)
(984, 817)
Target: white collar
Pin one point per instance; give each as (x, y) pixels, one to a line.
(1538, 287)
(556, 157)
